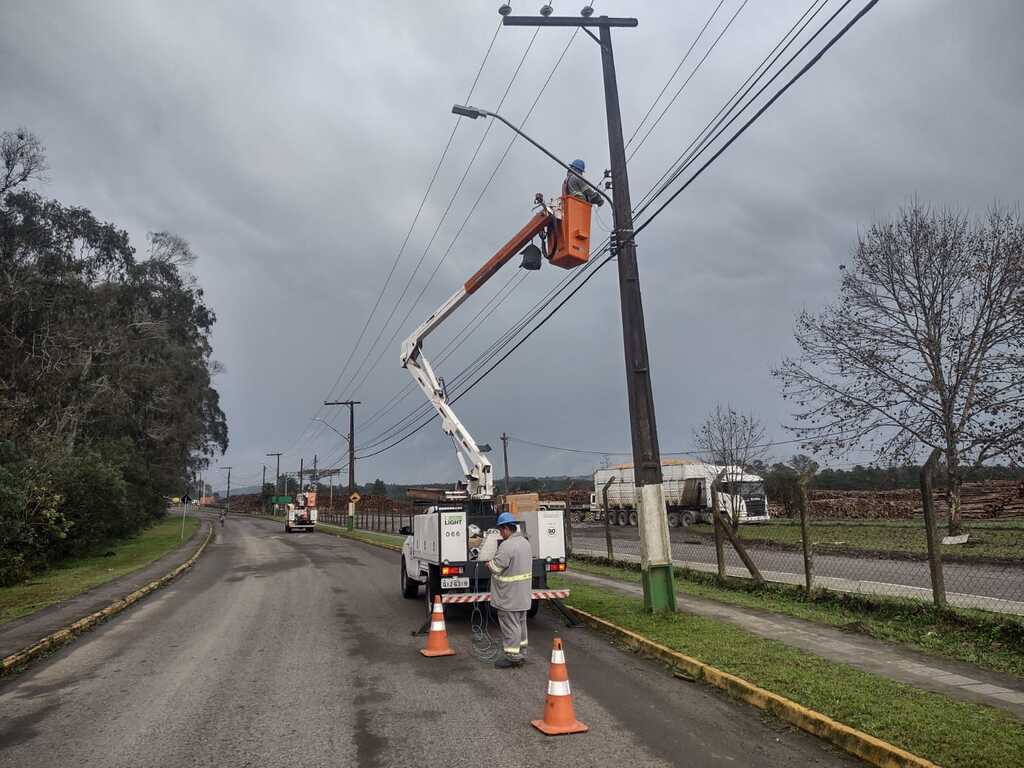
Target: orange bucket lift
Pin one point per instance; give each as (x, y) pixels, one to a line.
(569, 236)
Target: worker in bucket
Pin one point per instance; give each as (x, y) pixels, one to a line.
(511, 590)
(575, 185)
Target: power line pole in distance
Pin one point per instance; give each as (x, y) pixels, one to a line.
(227, 502)
(655, 548)
(504, 450)
(277, 474)
(351, 456)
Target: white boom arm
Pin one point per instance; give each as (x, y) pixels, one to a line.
(475, 465)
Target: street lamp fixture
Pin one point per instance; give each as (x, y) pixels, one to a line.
(331, 427)
(474, 112)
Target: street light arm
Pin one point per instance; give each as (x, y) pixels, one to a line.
(475, 112)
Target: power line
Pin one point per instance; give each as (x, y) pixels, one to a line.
(451, 202)
(405, 241)
(472, 210)
(746, 125)
(688, 79)
(674, 73)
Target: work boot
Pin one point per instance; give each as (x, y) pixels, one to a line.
(507, 663)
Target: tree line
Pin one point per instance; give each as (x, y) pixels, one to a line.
(107, 404)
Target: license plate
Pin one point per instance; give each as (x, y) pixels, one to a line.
(455, 582)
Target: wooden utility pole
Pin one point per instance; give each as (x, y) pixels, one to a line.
(931, 529)
(227, 501)
(277, 473)
(504, 449)
(351, 456)
(655, 547)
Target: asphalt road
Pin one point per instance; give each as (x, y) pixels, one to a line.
(999, 581)
(295, 650)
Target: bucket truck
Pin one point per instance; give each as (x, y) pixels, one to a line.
(446, 548)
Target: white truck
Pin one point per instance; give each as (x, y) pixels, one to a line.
(687, 488)
(445, 548)
(301, 515)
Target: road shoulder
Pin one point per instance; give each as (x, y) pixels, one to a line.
(26, 631)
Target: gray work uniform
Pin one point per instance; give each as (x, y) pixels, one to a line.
(512, 591)
(575, 186)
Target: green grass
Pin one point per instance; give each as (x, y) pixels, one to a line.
(951, 733)
(72, 577)
(987, 640)
(904, 537)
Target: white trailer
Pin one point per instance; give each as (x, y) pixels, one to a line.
(687, 488)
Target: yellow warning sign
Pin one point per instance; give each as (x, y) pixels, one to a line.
(355, 497)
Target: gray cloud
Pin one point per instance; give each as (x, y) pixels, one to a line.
(291, 146)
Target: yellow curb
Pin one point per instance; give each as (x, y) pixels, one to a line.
(61, 636)
(865, 746)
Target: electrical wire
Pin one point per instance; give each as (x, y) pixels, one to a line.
(686, 82)
(408, 234)
(806, 68)
(472, 210)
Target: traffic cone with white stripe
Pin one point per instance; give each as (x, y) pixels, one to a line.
(437, 638)
(559, 716)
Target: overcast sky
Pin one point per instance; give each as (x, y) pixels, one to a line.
(292, 143)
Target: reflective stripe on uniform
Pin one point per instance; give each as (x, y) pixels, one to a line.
(517, 577)
(558, 687)
(511, 649)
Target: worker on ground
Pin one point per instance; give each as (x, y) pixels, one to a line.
(511, 590)
(574, 185)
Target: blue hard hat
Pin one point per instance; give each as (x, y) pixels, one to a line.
(505, 518)
(579, 165)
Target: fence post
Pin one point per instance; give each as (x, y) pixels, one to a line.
(716, 520)
(805, 534)
(931, 530)
(607, 520)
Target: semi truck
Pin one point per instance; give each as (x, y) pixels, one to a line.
(687, 489)
(447, 547)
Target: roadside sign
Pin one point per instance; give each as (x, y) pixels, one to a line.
(281, 499)
(186, 499)
(355, 497)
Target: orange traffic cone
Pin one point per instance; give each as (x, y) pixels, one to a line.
(437, 638)
(558, 717)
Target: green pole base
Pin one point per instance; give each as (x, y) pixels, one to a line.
(351, 522)
(659, 589)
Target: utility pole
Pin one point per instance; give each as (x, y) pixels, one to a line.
(277, 474)
(655, 549)
(504, 450)
(301, 472)
(351, 456)
(263, 483)
(227, 502)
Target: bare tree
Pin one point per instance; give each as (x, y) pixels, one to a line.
(23, 157)
(732, 440)
(924, 347)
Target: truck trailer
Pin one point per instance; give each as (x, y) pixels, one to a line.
(687, 487)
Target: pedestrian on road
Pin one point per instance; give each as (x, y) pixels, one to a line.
(511, 590)
(574, 185)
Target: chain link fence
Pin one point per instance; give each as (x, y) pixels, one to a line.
(887, 558)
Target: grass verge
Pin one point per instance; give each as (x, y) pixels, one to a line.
(984, 639)
(907, 538)
(951, 733)
(72, 577)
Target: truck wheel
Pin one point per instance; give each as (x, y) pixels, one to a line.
(688, 518)
(410, 588)
(623, 518)
(534, 607)
(673, 519)
(633, 519)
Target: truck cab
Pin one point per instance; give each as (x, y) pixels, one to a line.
(442, 552)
